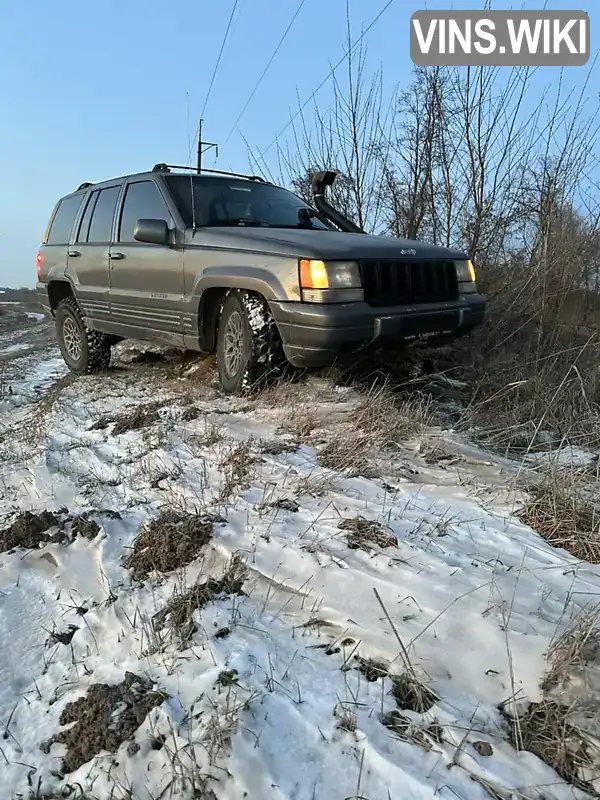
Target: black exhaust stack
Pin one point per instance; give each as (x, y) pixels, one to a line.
(318, 183)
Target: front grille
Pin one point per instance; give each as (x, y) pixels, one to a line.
(391, 283)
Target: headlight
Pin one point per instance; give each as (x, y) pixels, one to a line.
(329, 274)
(330, 281)
(465, 271)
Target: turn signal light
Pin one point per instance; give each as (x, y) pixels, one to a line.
(313, 274)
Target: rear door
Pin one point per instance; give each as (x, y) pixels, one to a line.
(146, 280)
(55, 243)
(88, 260)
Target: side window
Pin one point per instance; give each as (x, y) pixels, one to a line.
(84, 225)
(142, 201)
(102, 216)
(60, 229)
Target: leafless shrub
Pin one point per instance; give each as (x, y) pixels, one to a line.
(477, 159)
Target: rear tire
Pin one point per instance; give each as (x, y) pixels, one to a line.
(84, 350)
(249, 349)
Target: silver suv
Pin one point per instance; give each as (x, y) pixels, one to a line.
(220, 261)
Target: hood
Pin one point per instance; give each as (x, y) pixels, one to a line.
(302, 243)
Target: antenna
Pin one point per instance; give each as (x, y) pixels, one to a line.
(203, 147)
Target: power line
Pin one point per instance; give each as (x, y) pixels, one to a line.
(214, 75)
(264, 72)
(331, 72)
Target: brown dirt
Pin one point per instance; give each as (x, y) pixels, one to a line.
(178, 614)
(364, 533)
(32, 530)
(86, 527)
(411, 695)
(170, 541)
(98, 726)
(29, 531)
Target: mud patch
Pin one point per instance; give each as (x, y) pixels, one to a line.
(105, 718)
(170, 541)
(178, 614)
(363, 534)
(30, 531)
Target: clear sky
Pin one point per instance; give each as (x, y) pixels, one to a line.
(92, 89)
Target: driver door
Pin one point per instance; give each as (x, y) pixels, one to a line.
(146, 280)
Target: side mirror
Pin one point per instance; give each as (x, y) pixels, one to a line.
(152, 231)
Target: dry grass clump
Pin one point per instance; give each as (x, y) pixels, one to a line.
(544, 729)
(235, 466)
(170, 541)
(577, 646)
(412, 695)
(349, 453)
(105, 718)
(346, 718)
(134, 420)
(564, 521)
(178, 614)
(372, 669)
(364, 533)
(389, 418)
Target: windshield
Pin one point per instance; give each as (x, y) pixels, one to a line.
(227, 201)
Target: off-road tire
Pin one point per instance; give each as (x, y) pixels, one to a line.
(262, 360)
(94, 355)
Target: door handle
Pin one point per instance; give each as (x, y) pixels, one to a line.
(116, 256)
(73, 253)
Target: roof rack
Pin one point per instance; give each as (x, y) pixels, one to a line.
(84, 186)
(169, 167)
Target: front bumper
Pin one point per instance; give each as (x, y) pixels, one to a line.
(315, 335)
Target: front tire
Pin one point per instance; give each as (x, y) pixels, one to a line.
(249, 349)
(84, 350)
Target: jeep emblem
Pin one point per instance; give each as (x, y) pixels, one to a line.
(408, 252)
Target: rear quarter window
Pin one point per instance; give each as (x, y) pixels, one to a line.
(63, 220)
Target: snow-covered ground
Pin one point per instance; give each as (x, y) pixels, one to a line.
(412, 557)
